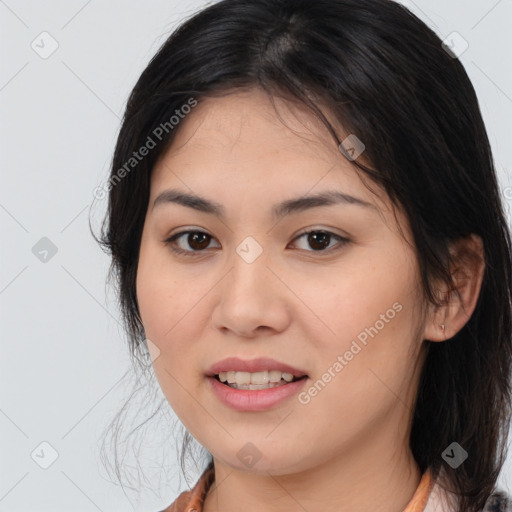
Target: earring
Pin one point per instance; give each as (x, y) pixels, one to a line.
(442, 327)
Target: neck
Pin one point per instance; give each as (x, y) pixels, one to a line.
(372, 476)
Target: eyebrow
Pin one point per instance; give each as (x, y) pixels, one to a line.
(287, 207)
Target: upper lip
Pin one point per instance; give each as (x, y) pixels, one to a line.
(252, 365)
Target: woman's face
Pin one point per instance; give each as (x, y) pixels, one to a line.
(341, 305)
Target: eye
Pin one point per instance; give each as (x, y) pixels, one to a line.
(196, 240)
(320, 240)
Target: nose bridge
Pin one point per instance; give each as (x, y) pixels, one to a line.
(250, 250)
(249, 264)
(248, 297)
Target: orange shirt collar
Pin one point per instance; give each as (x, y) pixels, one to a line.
(192, 501)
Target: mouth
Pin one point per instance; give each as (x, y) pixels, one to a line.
(254, 384)
(254, 374)
(257, 380)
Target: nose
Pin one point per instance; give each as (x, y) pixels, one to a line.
(251, 299)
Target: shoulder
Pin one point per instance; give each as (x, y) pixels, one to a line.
(499, 501)
(185, 501)
(440, 500)
(193, 499)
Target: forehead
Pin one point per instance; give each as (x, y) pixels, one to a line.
(245, 119)
(244, 139)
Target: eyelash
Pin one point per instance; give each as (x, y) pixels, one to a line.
(342, 241)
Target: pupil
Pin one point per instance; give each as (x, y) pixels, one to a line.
(193, 239)
(319, 238)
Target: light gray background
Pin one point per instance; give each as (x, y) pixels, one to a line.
(63, 351)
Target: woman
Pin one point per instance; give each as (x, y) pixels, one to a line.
(307, 232)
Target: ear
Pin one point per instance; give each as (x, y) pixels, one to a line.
(467, 271)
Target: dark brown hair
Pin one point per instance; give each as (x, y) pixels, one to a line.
(385, 76)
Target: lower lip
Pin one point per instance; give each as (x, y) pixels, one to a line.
(257, 399)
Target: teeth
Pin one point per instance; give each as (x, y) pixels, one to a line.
(274, 376)
(259, 378)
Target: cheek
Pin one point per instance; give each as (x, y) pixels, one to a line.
(351, 297)
(154, 297)
(366, 311)
(164, 305)
(172, 313)
(164, 296)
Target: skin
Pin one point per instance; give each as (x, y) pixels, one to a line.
(347, 448)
